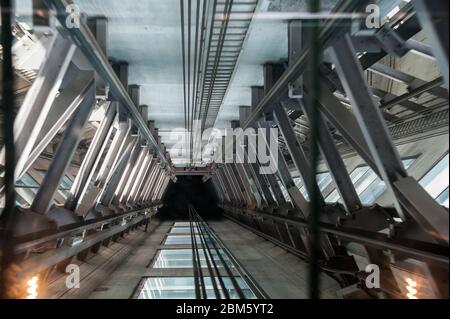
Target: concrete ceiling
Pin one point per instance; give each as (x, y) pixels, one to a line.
(147, 35)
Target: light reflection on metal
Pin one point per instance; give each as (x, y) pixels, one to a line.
(411, 287)
(307, 15)
(32, 287)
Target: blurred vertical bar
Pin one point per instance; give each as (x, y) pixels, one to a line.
(312, 77)
(7, 106)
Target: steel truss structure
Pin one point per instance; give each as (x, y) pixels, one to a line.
(413, 235)
(122, 168)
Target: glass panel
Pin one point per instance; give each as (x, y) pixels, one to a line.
(443, 198)
(182, 258)
(367, 184)
(435, 182)
(182, 230)
(28, 191)
(168, 288)
(66, 184)
(323, 180)
(183, 240)
(183, 224)
(285, 192)
(21, 202)
(184, 288)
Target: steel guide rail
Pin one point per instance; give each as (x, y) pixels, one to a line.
(377, 240)
(211, 242)
(29, 241)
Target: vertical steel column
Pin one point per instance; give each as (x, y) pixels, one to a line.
(119, 142)
(99, 28)
(8, 216)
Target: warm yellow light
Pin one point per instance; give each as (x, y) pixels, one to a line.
(411, 282)
(411, 296)
(411, 290)
(410, 287)
(32, 287)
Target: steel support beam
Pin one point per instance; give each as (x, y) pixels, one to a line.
(62, 109)
(133, 172)
(295, 149)
(432, 218)
(117, 147)
(39, 99)
(143, 168)
(116, 176)
(344, 121)
(63, 156)
(131, 161)
(151, 181)
(87, 43)
(334, 161)
(91, 159)
(150, 167)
